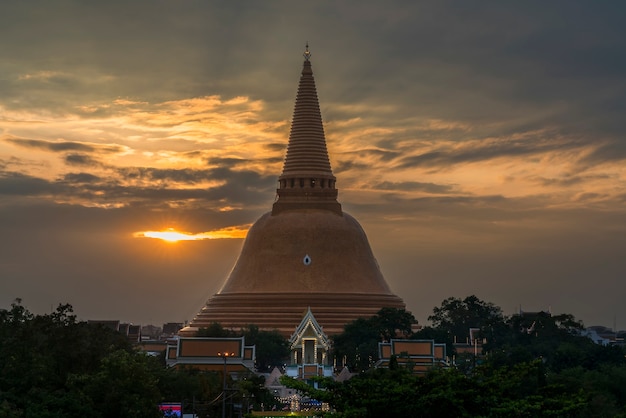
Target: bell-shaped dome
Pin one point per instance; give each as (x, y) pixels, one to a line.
(305, 253)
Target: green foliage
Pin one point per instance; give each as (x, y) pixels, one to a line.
(555, 339)
(49, 362)
(125, 385)
(521, 391)
(358, 344)
(457, 316)
(216, 330)
(53, 366)
(393, 323)
(252, 391)
(272, 349)
(533, 366)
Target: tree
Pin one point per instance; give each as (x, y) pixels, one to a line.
(393, 323)
(272, 349)
(125, 386)
(357, 346)
(555, 339)
(457, 316)
(358, 343)
(215, 330)
(47, 363)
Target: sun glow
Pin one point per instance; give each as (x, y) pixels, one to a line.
(171, 235)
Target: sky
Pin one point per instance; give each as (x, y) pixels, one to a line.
(481, 145)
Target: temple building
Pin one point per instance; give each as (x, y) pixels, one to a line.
(310, 349)
(307, 253)
(420, 356)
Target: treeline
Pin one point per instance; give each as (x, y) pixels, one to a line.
(52, 366)
(530, 365)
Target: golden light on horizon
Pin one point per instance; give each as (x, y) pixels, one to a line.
(171, 235)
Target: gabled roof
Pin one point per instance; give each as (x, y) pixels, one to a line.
(274, 378)
(210, 353)
(309, 327)
(344, 375)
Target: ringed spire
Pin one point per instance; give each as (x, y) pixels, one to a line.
(307, 180)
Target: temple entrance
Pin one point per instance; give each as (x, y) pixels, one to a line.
(309, 351)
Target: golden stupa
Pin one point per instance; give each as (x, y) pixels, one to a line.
(306, 252)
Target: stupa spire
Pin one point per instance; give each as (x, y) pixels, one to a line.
(307, 181)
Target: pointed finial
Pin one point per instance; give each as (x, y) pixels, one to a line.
(307, 53)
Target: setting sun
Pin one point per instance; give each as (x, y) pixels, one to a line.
(171, 235)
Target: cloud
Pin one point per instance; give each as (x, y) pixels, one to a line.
(81, 178)
(18, 184)
(81, 159)
(612, 151)
(525, 144)
(571, 180)
(64, 146)
(210, 188)
(183, 175)
(414, 186)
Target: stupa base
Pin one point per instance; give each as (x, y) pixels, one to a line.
(284, 311)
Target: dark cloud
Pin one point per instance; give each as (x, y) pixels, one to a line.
(276, 147)
(64, 146)
(414, 186)
(153, 189)
(51, 146)
(183, 175)
(81, 159)
(81, 178)
(363, 159)
(570, 180)
(611, 151)
(234, 163)
(490, 149)
(378, 154)
(245, 179)
(345, 165)
(18, 184)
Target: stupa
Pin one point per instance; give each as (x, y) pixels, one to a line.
(307, 252)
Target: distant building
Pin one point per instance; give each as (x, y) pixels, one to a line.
(212, 354)
(171, 328)
(472, 345)
(604, 336)
(111, 324)
(132, 332)
(417, 355)
(151, 332)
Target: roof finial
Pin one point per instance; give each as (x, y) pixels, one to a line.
(307, 53)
